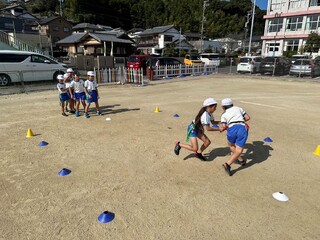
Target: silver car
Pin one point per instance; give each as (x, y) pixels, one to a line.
(305, 67)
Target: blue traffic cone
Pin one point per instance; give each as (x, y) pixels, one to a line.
(106, 217)
(267, 139)
(64, 172)
(176, 115)
(42, 144)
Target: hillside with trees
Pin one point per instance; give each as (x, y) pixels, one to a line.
(222, 18)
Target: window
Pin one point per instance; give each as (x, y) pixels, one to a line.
(55, 28)
(66, 29)
(313, 22)
(8, 26)
(293, 45)
(40, 59)
(4, 57)
(294, 24)
(276, 5)
(296, 4)
(167, 38)
(314, 3)
(275, 25)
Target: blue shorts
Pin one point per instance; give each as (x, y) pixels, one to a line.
(80, 96)
(238, 135)
(64, 97)
(69, 94)
(94, 97)
(193, 133)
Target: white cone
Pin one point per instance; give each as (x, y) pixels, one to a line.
(280, 196)
(108, 119)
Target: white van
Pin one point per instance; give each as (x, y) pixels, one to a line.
(28, 65)
(215, 59)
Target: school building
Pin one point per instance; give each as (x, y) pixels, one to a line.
(288, 24)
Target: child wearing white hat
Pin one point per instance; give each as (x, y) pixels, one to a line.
(91, 90)
(63, 93)
(77, 92)
(68, 78)
(196, 130)
(234, 119)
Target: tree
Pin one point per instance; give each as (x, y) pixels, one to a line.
(312, 43)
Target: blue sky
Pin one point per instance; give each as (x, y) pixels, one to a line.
(262, 4)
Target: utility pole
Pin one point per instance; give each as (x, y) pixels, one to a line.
(202, 23)
(61, 1)
(252, 22)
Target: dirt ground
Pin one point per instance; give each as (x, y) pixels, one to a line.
(127, 165)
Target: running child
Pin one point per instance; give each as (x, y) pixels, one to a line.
(234, 119)
(63, 93)
(91, 90)
(77, 93)
(68, 78)
(196, 130)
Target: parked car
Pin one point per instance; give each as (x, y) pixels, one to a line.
(299, 56)
(216, 59)
(29, 66)
(302, 67)
(192, 60)
(162, 61)
(138, 61)
(249, 64)
(277, 65)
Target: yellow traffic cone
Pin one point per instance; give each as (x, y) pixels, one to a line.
(157, 109)
(317, 151)
(29, 133)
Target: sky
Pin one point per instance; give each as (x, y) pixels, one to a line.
(262, 4)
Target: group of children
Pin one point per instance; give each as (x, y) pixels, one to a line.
(73, 90)
(233, 119)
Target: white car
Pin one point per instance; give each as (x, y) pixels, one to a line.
(249, 64)
(17, 66)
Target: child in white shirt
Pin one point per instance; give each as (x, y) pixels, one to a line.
(91, 90)
(77, 92)
(63, 93)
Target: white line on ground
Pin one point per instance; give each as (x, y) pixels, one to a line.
(264, 105)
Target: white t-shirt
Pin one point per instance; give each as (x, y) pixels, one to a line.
(206, 118)
(90, 85)
(78, 86)
(233, 115)
(61, 86)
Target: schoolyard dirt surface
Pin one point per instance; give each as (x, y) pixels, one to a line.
(127, 165)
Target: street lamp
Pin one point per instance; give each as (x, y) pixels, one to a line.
(251, 30)
(203, 19)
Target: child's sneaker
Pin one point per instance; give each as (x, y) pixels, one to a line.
(99, 113)
(72, 112)
(177, 148)
(77, 114)
(86, 115)
(64, 114)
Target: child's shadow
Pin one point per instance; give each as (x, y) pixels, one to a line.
(255, 153)
(212, 155)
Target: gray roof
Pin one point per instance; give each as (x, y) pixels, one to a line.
(101, 37)
(86, 25)
(48, 19)
(74, 38)
(155, 30)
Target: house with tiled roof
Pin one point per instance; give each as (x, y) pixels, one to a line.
(104, 43)
(154, 40)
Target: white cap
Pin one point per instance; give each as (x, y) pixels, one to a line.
(226, 102)
(69, 70)
(60, 77)
(65, 75)
(209, 101)
(90, 73)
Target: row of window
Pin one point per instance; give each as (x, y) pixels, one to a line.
(290, 45)
(279, 5)
(295, 23)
